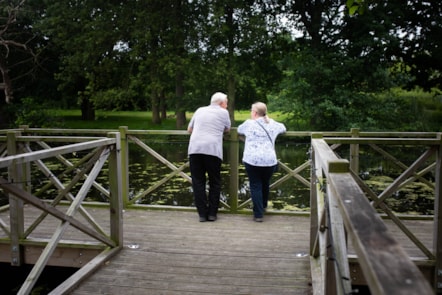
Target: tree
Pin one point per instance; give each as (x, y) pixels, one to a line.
(420, 45)
(17, 58)
(239, 38)
(85, 34)
(159, 34)
(322, 75)
(416, 27)
(340, 60)
(174, 52)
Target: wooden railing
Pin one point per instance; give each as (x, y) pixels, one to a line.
(341, 210)
(341, 204)
(18, 152)
(140, 137)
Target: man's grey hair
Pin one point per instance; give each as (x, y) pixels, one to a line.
(218, 97)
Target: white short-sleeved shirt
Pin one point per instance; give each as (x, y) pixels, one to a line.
(259, 148)
(208, 125)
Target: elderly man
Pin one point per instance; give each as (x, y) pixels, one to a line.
(207, 127)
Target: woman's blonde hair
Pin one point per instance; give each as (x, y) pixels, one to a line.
(261, 109)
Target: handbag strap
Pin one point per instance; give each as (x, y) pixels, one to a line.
(268, 135)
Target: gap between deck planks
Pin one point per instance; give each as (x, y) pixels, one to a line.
(174, 253)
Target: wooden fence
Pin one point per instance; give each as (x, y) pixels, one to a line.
(342, 206)
(17, 155)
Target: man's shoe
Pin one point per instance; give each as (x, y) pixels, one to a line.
(211, 218)
(258, 219)
(203, 219)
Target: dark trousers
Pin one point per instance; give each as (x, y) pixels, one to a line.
(259, 179)
(207, 205)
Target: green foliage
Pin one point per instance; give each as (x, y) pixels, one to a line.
(115, 100)
(388, 111)
(340, 77)
(425, 109)
(326, 91)
(171, 55)
(135, 120)
(35, 114)
(356, 6)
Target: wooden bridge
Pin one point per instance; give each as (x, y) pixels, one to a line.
(350, 238)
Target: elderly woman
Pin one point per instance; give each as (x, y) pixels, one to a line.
(259, 155)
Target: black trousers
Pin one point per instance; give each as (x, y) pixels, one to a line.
(200, 165)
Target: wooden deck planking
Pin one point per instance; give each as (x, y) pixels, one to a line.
(46, 228)
(173, 253)
(176, 254)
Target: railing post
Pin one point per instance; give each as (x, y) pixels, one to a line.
(16, 211)
(437, 240)
(27, 166)
(234, 162)
(23, 128)
(124, 148)
(315, 205)
(354, 152)
(115, 190)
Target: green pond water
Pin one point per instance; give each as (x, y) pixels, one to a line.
(291, 195)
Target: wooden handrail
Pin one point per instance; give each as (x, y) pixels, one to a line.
(386, 267)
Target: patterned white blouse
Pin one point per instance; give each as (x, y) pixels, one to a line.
(259, 145)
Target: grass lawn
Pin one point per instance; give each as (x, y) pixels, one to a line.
(112, 120)
(135, 120)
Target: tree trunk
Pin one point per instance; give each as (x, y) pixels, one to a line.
(231, 88)
(180, 119)
(181, 53)
(179, 93)
(163, 106)
(7, 84)
(154, 99)
(87, 110)
(6, 118)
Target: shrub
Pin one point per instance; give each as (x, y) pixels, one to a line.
(35, 114)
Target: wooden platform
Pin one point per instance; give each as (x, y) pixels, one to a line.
(169, 252)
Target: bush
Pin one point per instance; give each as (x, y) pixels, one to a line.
(35, 114)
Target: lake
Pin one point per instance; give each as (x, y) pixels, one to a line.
(292, 195)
